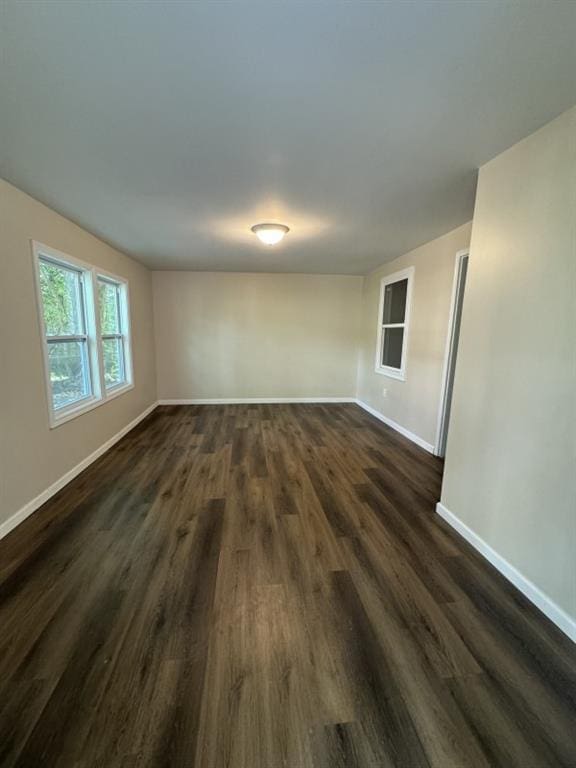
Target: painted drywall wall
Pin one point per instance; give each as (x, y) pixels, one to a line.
(511, 454)
(33, 456)
(413, 403)
(223, 335)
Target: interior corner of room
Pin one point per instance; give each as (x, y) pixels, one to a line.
(397, 398)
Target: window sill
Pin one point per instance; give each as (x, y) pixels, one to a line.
(86, 406)
(391, 373)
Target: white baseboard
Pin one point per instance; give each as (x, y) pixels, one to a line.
(34, 504)
(402, 430)
(263, 400)
(256, 400)
(548, 607)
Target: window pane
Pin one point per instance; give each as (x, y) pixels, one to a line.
(61, 300)
(108, 300)
(392, 347)
(395, 302)
(113, 352)
(69, 377)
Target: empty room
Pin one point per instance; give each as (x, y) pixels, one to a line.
(288, 384)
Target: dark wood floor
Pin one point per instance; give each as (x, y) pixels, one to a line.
(268, 587)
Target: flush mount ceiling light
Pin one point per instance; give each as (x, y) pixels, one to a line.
(270, 234)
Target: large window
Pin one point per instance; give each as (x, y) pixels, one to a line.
(85, 326)
(393, 323)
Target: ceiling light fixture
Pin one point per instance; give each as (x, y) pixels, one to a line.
(270, 234)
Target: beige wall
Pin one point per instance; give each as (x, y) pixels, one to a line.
(223, 335)
(511, 456)
(32, 456)
(413, 403)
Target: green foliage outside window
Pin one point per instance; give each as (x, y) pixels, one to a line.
(107, 298)
(110, 324)
(62, 309)
(60, 300)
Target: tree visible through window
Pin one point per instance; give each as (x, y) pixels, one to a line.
(62, 292)
(110, 301)
(86, 361)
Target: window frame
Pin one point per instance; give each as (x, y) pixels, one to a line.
(386, 370)
(91, 315)
(123, 303)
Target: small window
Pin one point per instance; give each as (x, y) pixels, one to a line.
(112, 307)
(393, 320)
(63, 291)
(86, 361)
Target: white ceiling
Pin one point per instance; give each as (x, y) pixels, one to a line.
(169, 128)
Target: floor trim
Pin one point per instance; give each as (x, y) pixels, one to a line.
(263, 400)
(42, 498)
(25, 511)
(402, 430)
(255, 400)
(548, 607)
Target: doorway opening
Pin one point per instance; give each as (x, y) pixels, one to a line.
(460, 273)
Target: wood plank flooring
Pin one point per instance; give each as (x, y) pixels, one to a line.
(268, 587)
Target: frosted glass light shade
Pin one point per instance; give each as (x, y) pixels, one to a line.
(270, 234)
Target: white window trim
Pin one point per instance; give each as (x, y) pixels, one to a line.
(92, 320)
(385, 370)
(119, 389)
